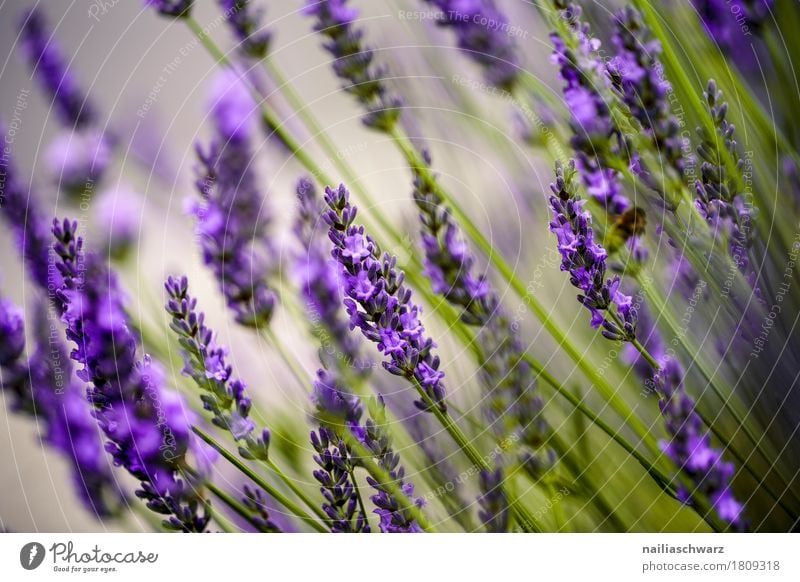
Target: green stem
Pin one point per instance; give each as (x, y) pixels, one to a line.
(293, 508)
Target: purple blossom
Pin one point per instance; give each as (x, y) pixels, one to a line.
(595, 137)
(43, 386)
(690, 447)
(638, 75)
(174, 8)
(320, 279)
(409, 352)
(147, 425)
(353, 64)
(483, 34)
(206, 364)
(45, 57)
(245, 21)
(118, 215)
(493, 502)
(585, 260)
(231, 218)
(730, 22)
(77, 160)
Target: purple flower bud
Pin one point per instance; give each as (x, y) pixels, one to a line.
(174, 8)
(77, 160)
(245, 21)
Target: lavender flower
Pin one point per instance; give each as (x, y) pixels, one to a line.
(378, 303)
(44, 388)
(118, 215)
(691, 448)
(483, 34)
(354, 61)
(245, 21)
(336, 411)
(45, 57)
(77, 160)
(493, 502)
(728, 21)
(595, 137)
(320, 279)
(147, 426)
(231, 220)
(585, 260)
(639, 77)
(26, 221)
(206, 364)
(174, 8)
(256, 501)
(719, 199)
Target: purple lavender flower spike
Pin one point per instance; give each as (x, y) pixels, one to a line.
(720, 201)
(483, 34)
(595, 137)
(378, 303)
(147, 426)
(231, 220)
(256, 501)
(336, 411)
(354, 61)
(245, 21)
(585, 260)
(321, 280)
(174, 8)
(77, 161)
(724, 22)
(118, 215)
(207, 365)
(638, 76)
(690, 448)
(493, 502)
(26, 221)
(43, 386)
(45, 57)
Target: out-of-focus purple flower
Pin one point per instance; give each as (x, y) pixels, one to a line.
(256, 501)
(206, 364)
(730, 23)
(690, 447)
(147, 425)
(246, 22)
(728, 211)
(484, 34)
(43, 386)
(321, 279)
(385, 314)
(31, 230)
(47, 60)
(118, 215)
(77, 160)
(334, 20)
(493, 502)
(639, 77)
(232, 222)
(585, 260)
(595, 137)
(174, 8)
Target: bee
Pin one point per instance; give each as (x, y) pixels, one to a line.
(630, 223)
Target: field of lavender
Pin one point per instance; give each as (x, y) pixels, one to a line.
(400, 266)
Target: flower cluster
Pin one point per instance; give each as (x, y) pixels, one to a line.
(206, 364)
(320, 279)
(147, 426)
(690, 447)
(728, 21)
(483, 33)
(585, 260)
(494, 502)
(46, 58)
(245, 21)
(337, 411)
(43, 386)
(334, 20)
(255, 501)
(231, 218)
(639, 77)
(380, 305)
(595, 137)
(719, 198)
(174, 8)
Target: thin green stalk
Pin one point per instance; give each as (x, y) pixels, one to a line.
(293, 508)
